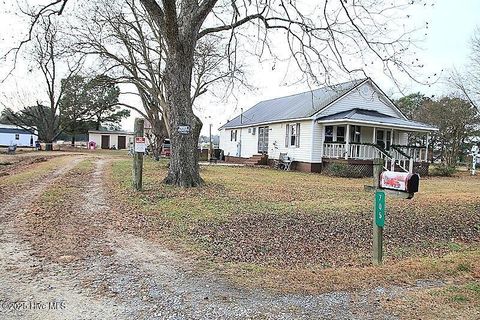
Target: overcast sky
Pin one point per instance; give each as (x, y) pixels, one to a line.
(451, 25)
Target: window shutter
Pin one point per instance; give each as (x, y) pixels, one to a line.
(297, 138)
(287, 131)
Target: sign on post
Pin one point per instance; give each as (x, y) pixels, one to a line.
(380, 208)
(140, 145)
(185, 129)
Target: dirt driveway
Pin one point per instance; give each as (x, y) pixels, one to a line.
(74, 264)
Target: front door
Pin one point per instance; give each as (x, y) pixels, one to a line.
(105, 142)
(263, 140)
(122, 142)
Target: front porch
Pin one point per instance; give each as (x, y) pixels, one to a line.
(359, 145)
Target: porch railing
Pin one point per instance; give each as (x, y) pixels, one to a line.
(362, 151)
(334, 150)
(418, 153)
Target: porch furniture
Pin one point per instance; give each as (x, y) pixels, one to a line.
(283, 163)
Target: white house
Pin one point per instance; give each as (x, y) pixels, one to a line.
(352, 122)
(111, 139)
(13, 135)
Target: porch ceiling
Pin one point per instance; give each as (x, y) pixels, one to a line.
(374, 118)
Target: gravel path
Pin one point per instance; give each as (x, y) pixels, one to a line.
(128, 277)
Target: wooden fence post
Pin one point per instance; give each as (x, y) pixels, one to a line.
(138, 157)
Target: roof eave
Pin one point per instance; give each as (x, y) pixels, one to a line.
(378, 124)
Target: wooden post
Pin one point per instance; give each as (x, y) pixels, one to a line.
(377, 231)
(347, 142)
(426, 148)
(138, 157)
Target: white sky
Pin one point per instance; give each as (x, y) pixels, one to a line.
(452, 24)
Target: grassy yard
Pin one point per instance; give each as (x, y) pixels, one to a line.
(294, 231)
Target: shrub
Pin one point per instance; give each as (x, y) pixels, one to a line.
(443, 171)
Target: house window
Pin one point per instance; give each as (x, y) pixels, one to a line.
(17, 136)
(328, 133)
(381, 138)
(341, 134)
(292, 136)
(233, 135)
(254, 131)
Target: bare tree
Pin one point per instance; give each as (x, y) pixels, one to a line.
(46, 55)
(133, 51)
(324, 39)
(468, 82)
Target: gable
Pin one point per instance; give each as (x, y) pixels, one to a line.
(367, 97)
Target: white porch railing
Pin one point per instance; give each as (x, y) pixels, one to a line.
(334, 150)
(418, 154)
(392, 159)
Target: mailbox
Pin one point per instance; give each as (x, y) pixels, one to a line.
(399, 181)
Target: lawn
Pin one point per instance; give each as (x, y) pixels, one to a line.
(295, 231)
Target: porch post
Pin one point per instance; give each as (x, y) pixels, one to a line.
(347, 142)
(374, 136)
(391, 138)
(426, 147)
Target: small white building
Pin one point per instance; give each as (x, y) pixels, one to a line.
(111, 139)
(13, 135)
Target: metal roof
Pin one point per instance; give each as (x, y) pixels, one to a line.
(297, 106)
(372, 116)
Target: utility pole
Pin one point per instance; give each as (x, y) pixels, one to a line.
(139, 149)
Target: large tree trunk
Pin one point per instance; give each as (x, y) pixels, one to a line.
(184, 169)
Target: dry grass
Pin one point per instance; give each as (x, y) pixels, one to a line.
(456, 301)
(294, 231)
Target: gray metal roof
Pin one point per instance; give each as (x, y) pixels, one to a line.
(362, 115)
(297, 106)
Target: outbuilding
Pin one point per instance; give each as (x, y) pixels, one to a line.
(106, 139)
(13, 135)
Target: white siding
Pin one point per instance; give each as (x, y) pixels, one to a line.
(7, 139)
(249, 141)
(230, 148)
(358, 99)
(97, 138)
(318, 131)
(276, 142)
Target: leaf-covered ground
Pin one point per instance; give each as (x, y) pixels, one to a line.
(258, 221)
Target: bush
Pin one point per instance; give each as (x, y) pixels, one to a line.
(443, 171)
(344, 170)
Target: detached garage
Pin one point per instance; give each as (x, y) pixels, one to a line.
(12, 135)
(111, 139)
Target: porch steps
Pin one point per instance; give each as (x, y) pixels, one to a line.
(257, 159)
